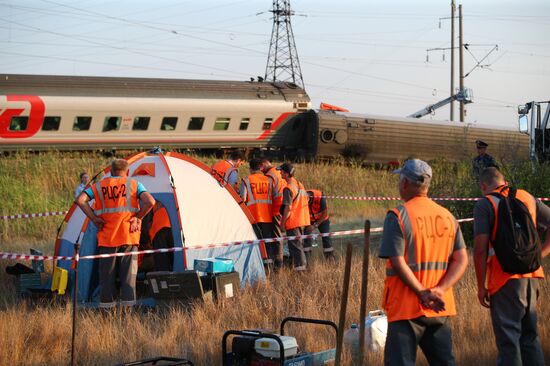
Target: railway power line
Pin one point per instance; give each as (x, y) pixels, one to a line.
(282, 61)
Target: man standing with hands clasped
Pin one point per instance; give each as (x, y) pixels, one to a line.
(117, 214)
(426, 257)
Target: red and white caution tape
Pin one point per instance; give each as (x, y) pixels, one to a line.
(375, 198)
(352, 198)
(30, 216)
(4, 255)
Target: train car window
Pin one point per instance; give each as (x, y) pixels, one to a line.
(267, 123)
(82, 123)
(244, 124)
(111, 123)
(222, 124)
(51, 123)
(141, 123)
(195, 123)
(169, 123)
(19, 123)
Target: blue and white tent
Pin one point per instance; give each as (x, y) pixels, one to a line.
(202, 212)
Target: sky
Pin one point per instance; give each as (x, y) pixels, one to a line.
(366, 56)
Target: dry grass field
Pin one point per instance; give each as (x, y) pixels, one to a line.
(39, 334)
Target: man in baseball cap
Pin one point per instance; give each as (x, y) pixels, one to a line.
(416, 171)
(426, 255)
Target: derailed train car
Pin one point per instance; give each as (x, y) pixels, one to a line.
(39, 112)
(383, 139)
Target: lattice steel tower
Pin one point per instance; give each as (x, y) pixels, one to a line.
(282, 61)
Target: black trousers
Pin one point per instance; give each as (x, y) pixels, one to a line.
(433, 335)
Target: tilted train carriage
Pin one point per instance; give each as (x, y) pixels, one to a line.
(40, 112)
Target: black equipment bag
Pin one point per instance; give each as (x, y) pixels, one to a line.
(517, 244)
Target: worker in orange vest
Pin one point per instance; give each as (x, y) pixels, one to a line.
(426, 256)
(156, 233)
(277, 185)
(256, 194)
(227, 171)
(319, 219)
(117, 214)
(512, 298)
(295, 215)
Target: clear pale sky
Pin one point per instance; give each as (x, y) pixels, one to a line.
(367, 56)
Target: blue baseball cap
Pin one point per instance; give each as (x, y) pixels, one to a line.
(416, 170)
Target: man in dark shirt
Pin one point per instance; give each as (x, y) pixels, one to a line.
(482, 160)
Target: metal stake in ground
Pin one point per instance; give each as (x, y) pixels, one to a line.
(75, 301)
(364, 287)
(343, 304)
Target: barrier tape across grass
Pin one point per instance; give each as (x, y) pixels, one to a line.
(352, 198)
(4, 255)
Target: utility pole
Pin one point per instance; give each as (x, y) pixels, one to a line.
(461, 46)
(453, 8)
(282, 60)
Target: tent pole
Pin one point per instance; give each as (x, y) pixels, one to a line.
(75, 301)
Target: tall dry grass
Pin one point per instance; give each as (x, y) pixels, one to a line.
(40, 334)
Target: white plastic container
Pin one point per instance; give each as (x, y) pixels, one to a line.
(269, 347)
(376, 330)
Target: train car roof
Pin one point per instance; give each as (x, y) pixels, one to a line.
(96, 86)
(420, 120)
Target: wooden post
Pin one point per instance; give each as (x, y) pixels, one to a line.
(75, 302)
(343, 305)
(364, 287)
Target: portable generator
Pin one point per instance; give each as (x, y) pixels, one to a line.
(257, 348)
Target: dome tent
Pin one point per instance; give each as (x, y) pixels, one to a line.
(202, 212)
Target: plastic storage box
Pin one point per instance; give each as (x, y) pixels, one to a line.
(214, 265)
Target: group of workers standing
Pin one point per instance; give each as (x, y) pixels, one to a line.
(280, 206)
(426, 255)
(422, 242)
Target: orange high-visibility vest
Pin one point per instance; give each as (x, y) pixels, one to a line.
(258, 197)
(116, 202)
(315, 212)
(496, 277)
(299, 210)
(223, 169)
(159, 220)
(429, 231)
(278, 184)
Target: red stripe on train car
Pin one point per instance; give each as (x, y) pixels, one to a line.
(274, 125)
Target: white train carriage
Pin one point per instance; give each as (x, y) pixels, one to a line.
(76, 113)
(93, 113)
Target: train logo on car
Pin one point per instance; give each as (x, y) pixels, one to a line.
(13, 124)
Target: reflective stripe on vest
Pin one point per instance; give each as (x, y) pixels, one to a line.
(258, 197)
(127, 208)
(429, 232)
(496, 277)
(299, 210)
(278, 184)
(116, 202)
(315, 212)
